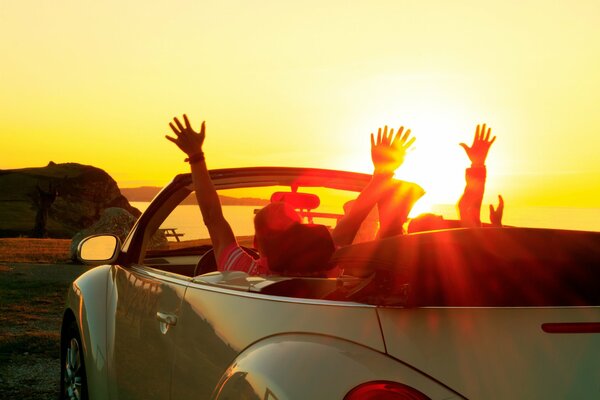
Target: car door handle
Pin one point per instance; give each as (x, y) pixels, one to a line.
(168, 319)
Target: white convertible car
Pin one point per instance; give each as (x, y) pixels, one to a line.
(489, 313)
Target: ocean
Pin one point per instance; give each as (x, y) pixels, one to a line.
(187, 218)
(571, 218)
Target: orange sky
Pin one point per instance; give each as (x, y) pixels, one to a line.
(304, 83)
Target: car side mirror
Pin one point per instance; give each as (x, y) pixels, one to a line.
(99, 249)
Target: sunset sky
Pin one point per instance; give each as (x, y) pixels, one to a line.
(304, 83)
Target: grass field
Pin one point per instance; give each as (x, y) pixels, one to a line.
(25, 250)
(34, 277)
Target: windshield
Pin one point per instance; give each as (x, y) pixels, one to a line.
(183, 226)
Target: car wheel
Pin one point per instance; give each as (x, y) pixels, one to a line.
(73, 379)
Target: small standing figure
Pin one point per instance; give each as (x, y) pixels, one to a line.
(43, 200)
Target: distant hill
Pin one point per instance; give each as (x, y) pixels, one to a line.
(142, 193)
(147, 193)
(72, 197)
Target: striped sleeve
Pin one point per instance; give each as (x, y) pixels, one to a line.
(234, 258)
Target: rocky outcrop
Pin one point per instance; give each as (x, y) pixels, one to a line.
(82, 193)
(116, 221)
(113, 220)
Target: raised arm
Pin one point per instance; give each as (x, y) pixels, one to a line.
(387, 153)
(496, 213)
(469, 205)
(190, 142)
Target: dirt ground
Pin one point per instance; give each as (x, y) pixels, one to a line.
(32, 297)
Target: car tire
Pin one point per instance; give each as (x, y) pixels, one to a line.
(73, 382)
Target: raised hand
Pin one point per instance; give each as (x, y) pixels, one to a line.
(496, 214)
(188, 140)
(478, 151)
(388, 152)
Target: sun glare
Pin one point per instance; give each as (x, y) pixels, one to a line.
(310, 98)
(436, 162)
(424, 205)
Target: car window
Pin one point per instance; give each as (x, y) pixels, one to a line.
(181, 236)
(184, 227)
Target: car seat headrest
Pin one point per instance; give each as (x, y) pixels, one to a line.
(302, 250)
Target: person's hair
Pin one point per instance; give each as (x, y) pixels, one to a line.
(300, 250)
(290, 247)
(274, 218)
(270, 221)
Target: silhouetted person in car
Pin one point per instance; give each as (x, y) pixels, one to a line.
(393, 198)
(469, 205)
(277, 222)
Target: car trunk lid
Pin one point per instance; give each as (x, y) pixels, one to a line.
(500, 353)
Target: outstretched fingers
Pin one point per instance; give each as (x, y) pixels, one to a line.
(172, 139)
(399, 136)
(486, 136)
(477, 134)
(493, 139)
(387, 138)
(187, 122)
(497, 213)
(500, 207)
(406, 135)
(408, 144)
(179, 125)
(483, 135)
(406, 141)
(383, 137)
(189, 141)
(174, 129)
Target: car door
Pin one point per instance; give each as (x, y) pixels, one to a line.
(143, 307)
(217, 323)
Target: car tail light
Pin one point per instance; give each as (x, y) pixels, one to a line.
(384, 390)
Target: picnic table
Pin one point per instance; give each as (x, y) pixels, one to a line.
(171, 232)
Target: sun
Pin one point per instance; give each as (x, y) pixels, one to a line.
(436, 162)
(439, 114)
(438, 167)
